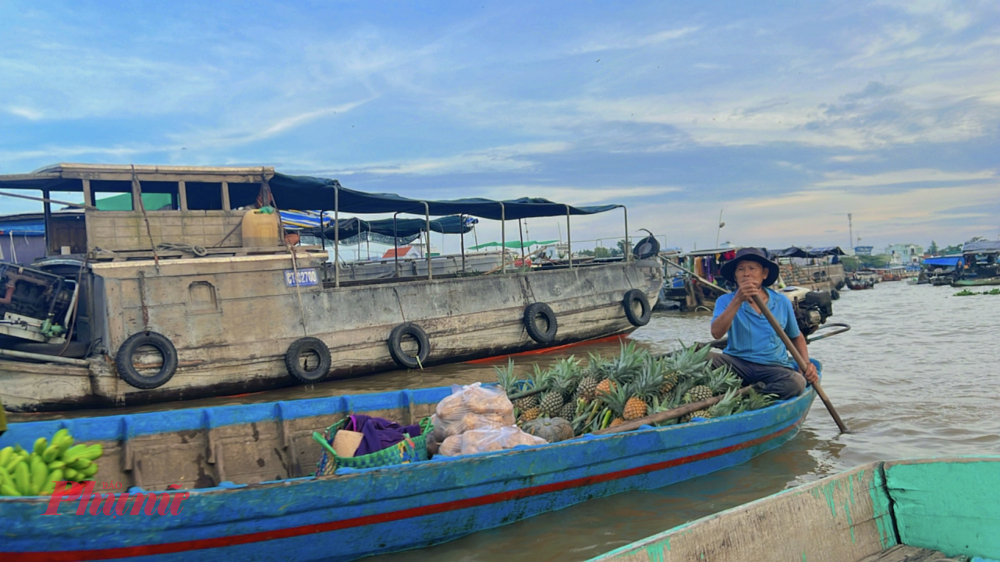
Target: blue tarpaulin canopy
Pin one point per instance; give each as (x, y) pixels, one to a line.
(943, 261)
(796, 252)
(353, 229)
(304, 192)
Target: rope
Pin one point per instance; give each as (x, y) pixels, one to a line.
(145, 217)
(199, 251)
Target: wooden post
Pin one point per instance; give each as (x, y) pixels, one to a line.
(503, 239)
(88, 197)
(427, 225)
(47, 211)
(569, 239)
(182, 194)
(628, 247)
(225, 196)
(336, 235)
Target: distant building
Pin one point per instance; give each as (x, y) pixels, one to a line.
(863, 250)
(903, 254)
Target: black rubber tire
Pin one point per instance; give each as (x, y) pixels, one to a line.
(531, 314)
(126, 368)
(631, 297)
(396, 350)
(646, 248)
(294, 354)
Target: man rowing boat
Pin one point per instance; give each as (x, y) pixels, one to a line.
(754, 351)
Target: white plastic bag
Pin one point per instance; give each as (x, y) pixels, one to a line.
(486, 440)
(472, 407)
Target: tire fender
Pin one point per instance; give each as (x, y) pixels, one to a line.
(124, 361)
(293, 360)
(631, 298)
(402, 358)
(535, 329)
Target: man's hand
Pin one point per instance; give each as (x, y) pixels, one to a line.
(746, 291)
(810, 373)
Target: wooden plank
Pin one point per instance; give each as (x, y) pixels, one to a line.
(183, 194)
(88, 197)
(225, 196)
(905, 553)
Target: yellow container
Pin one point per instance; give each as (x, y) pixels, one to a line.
(260, 230)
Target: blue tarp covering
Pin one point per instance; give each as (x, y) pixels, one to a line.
(23, 228)
(796, 252)
(944, 261)
(304, 192)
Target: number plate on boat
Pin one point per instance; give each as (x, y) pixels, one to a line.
(305, 277)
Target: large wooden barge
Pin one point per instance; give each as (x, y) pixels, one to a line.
(185, 302)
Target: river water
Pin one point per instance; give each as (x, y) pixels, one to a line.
(911, 379)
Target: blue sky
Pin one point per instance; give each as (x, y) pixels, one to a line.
(785, 116)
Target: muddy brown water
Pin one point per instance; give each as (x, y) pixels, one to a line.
(915, 377)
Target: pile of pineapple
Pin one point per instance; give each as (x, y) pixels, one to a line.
(610, 391)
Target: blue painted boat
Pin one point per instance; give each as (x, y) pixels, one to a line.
(941, 510)
(275, 511)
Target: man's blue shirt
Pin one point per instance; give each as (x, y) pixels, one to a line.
(751, 337)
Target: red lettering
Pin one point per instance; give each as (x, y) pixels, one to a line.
(120, 506)
(88, 491)
(175, 506)
(109, 503)
(61, 494)
(139, 498)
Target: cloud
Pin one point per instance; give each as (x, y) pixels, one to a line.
(26, 112)
(501, 158)
(901, 177)
(624, 42)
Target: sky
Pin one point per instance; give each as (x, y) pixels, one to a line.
(784, 117)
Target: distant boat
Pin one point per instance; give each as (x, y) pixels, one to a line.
(888, 511)
(976, 282)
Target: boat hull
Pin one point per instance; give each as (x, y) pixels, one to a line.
(976, 282)
(948, 506)
(362, 512)
(237, 342)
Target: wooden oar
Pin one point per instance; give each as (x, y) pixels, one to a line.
(669, 414)
(799, 359)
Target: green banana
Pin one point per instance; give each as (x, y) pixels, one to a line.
(73, 453)
(39, 472)
(62, 433)
(93, 452)
(80, 464)
(50, 454)
(22, 479)
(40, 444)
(5, 476)
(70, 474)
(12, 463)
(56, 464)
(5, 455)
(90, 470)
(54, 476)
(64, 443)
(8, 490)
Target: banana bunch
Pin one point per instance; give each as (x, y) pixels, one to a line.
(36, 473)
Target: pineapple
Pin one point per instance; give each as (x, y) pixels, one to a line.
(669, 382)
(635, 408)
(565, 376)
(697, 394)
(551, 403)
(697, 414)
(604, 387)
(616, 422)
(568, 411)
(587, 388)
(755, 400)
(729, 403)
(508, 381)
(529, 414)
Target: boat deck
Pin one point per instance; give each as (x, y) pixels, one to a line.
(904, 553)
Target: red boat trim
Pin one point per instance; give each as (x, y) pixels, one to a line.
(219, 542)
(548, 349)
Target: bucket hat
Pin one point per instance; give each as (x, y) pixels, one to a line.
(754, 254)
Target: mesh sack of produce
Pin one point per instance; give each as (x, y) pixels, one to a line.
(486, 440)
(470, 407)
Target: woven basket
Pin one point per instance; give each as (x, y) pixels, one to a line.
(410, 449)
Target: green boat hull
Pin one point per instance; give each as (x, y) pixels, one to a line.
(976, 282)
(949, 506)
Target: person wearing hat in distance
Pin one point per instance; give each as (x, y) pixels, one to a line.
(754, 351)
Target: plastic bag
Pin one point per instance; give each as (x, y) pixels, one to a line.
(472, 407)
(486, 440)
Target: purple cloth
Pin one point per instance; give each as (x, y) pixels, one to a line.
(379, 433)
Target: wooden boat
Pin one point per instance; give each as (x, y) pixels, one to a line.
(944, 509)
(247, 469)
(859, 285)
(976, 282)
(205, 298)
